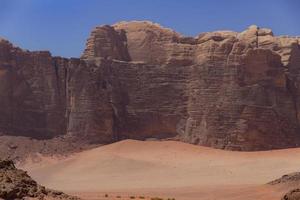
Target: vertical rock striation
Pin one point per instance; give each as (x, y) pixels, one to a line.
(138, 80)
(32, 92)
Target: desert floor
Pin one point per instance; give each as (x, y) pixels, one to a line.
(135, 169)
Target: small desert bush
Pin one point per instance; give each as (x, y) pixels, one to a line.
(141, 197)
(106, 195)
(118, 197)
(132, 197)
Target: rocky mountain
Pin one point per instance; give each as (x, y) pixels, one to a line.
(138, 80)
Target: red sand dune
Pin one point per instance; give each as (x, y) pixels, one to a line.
(167, 169)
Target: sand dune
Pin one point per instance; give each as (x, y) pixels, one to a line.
(169, 169)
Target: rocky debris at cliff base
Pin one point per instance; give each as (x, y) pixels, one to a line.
(292, 195)
(292, 178)
(18, 148)
(17, 184)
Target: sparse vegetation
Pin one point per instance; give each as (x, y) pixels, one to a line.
(118, 197)
(106, 195)
(158, 198)
(132, 197)
(141, 197)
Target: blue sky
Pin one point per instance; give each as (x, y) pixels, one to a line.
(62, 26)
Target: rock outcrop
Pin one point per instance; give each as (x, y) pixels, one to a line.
(106, 42)
(292, 195)
(292, 178)
(290, 181)
(139, 80)
(16, 184)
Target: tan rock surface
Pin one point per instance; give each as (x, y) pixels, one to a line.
(108, 43)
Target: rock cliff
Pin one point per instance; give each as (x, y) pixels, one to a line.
(138, 80)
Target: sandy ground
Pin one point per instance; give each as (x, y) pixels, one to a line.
(166, 169)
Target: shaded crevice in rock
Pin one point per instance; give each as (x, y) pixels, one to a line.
(292, 89)
(257, 41)
(57, 77)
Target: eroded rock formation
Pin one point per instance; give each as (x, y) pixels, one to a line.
(139, 80)
(289, 182)
(292, 195)
(292, 178)
(16, 184)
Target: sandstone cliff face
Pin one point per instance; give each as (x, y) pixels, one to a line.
(32, 92)
(139, 80)
(108, 43)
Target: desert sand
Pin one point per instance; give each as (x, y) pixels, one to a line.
(166, 169)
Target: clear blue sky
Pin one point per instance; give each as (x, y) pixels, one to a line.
(62, 26)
